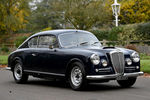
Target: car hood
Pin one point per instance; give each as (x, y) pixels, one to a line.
(105, 50)
(102, 51)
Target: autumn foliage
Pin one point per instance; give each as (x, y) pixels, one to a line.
(134, 11)
(12, 15)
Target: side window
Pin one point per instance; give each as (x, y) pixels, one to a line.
(25, 45)
(32, 43)
(46, 41)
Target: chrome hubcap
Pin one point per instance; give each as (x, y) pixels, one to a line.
(76, 76)
(18, 71)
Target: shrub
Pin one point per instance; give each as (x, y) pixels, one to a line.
(132, 47)
(128, 34)
(111, 35)
(125, 33)
(144, 30)
(20, 40)
(114, 32)
(46, 29)
(100, 34)
(4, 48)
(111, 43)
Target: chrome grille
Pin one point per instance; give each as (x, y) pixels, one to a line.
(118, 63)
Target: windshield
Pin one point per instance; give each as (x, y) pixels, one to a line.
(78, 39)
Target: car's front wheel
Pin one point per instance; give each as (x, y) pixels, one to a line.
(127, 83)
(19, 75)
(77, 78)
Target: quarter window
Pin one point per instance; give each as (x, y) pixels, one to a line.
(33, 42)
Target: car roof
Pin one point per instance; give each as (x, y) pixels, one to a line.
(54, 32)
(59, 31)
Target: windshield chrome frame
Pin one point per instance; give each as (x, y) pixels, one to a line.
(72, 33)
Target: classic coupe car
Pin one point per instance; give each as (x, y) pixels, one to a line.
(74, 55)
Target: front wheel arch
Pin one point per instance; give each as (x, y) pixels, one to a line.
(77, 81)
(14, 62)
(68, 68)
(23, 76)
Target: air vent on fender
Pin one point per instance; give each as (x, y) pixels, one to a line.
(108, 47)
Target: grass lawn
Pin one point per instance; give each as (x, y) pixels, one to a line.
(3, 59)
(144, 56)
(145, 65)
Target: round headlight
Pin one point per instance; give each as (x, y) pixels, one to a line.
(135, 56)
(104, 62)
(128, 61)
(95, 59)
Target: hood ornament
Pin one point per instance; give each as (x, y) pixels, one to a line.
(118, 50)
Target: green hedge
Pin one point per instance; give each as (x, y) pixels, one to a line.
(111, 35)
(20, 40)
(4, 48)
(144, 30)
(100, 34)
(125, 33)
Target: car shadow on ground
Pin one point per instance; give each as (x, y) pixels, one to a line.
(110, 86)
(65, 85)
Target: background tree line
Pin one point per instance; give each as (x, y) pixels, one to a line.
(35, 15)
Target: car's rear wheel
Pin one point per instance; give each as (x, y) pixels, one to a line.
(77, 78)
(127, 83)
(19, 75)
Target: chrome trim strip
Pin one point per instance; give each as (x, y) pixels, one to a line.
(113, 76)
(104, 69)
(129, 67)
(8, 68)
(38, 72)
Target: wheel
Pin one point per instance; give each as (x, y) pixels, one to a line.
(77, 78)
(127, 83)
(19, 75)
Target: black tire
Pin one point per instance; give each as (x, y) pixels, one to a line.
(83, 82)
(18, 73)
(127, 83)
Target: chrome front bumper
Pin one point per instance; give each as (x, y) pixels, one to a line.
(113, 76)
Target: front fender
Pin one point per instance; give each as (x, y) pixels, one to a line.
(83, 61)
(11, 61)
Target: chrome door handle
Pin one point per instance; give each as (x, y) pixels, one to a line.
(33, 54)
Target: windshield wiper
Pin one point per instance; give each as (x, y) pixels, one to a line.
(94, 43)
(83, 43)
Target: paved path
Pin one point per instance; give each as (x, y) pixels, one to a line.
(38, 89)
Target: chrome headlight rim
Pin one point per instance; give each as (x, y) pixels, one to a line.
(128, 61)
(95, 59)
(104, 62)
(135, 57)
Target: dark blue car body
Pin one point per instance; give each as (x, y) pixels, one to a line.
(55, 62)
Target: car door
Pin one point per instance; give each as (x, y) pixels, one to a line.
(31, 54)
(47, 55)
